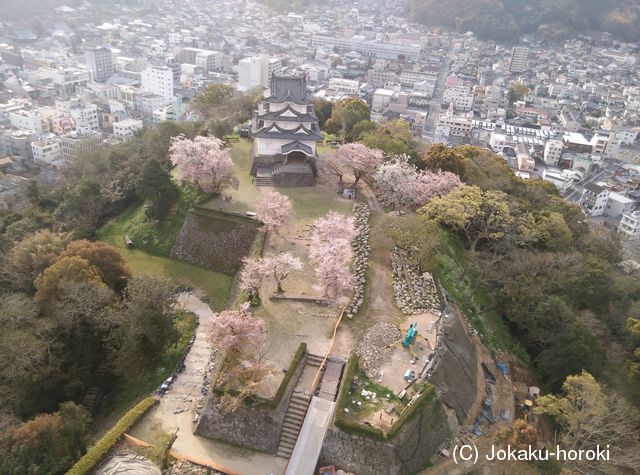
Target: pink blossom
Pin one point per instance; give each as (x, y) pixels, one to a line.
(274, 210)
(204, 162)
(398, 183)
(361, 160)
(237, 330)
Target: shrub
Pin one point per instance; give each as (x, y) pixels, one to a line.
(99, 451)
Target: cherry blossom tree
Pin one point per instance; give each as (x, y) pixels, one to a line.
(203, 162)
(330, 164)
(237, 331)
(331, 227)
(276, 266)
(274, 210)
(361, 160)
(279, 266)
(241, 336)
(251, 275)
(398, 183)
(331, 253)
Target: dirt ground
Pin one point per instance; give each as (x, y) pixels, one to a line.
(174, 413)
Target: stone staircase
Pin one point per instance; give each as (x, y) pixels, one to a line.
(265, 177)
(296, 413)
(292, 423)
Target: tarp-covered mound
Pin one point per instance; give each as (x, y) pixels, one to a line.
(454, 370)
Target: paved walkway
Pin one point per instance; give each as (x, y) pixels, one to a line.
(175, 410)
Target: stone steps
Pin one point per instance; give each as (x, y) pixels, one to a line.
(292, 423)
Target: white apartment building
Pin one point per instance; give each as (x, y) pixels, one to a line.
(85, 116)
(48, 151)
(561, 179)
(519, 59)
(368, 48)
(158, 80)
(630, 225)
(29, 121)
(455, 126)
(552, 152)
(75, 145)
(124, 129)
(256, 71)
(618, 205)
(100, 63)
(460, 96)
(344, 86)
(594, 199)
(409, 77)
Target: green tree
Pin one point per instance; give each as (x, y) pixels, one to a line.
(81, 208)
(30, 257)
(393, 138)
(345, 115)
(363, 127)
(143, 325)
(573, 351)
(106, 258)
(590, 285)
(517, 91)
(323, 109)
(588, 416)
(441, 157)
(48, 443)
(49, 283)
(477, 215)
(157, 189)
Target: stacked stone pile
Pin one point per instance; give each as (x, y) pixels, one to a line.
(361, 250)
(373, 351)
(415, 291)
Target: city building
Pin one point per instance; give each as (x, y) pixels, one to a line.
(594, 199)
(47, 151)
(552, 152)
(519, 58)
(368, 48)
(158, 80)
(344, 86)
(287, 130)
(75, 145)
(630, 225)
(100, 63)
(26, 120)
(257, 71)
(125, 129)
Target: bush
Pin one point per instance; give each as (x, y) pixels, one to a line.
(99, 451)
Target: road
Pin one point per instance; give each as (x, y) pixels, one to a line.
(436, 101)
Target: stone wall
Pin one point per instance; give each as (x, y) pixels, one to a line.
(214, 240)
(253, 426)
(410, 449)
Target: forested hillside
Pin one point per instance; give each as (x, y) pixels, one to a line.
(505, 20)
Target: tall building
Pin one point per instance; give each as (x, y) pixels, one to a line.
(552, 152)
(100, 62)
(158, 80)
(257, 71)
(75, 145)
(519, 58)
(286, 134)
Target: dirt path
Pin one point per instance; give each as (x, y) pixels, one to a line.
(174, 413)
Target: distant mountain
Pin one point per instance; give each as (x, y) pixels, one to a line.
(506, 20)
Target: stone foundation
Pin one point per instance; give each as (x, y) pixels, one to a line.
(419, 439)
(253, 426)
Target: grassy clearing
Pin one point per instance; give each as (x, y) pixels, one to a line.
(150, 236)
(126, 393)
(215, 285)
